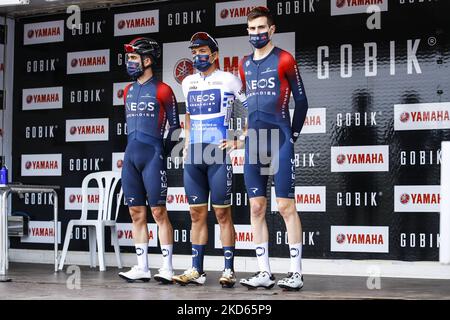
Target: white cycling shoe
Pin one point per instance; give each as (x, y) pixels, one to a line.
(164, 276)
(293, 282)
(261, 279)
(135, 274)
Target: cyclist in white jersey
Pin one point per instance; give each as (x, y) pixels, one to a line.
(210, 95)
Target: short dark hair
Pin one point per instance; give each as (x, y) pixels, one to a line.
(258, 12)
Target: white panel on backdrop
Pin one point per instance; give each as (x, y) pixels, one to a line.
(237, 160)
(117, 161)
(118, 93)
(177, 57)
(360, 159)
(88, 61)
(125, 234)
(342, 7)
(87, 130)
(136, 22)
(235, 12)
(73, 199)
(41, 232)
(41, 165)
(177, 199)
(315, 121)
(422, 116)
(182, 118)
(359, 239)
(43, 32)
(307, 199)
(244, 237)
(417, 198)
(42, 98)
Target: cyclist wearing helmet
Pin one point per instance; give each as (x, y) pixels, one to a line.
(149, 104)
(210, 95)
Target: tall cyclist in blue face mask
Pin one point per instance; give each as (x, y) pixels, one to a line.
(210, 95)
(149, 105)
(271, 75)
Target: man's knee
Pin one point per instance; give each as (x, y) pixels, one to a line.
(223, 215)
(159, 213)
(138, 214)
(286, 207)
(258, 208)
(197, 214)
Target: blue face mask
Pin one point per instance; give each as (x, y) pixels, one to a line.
(259, 40)
(201, 62)
(134, 69)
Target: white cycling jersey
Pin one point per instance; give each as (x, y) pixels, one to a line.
(209, 102)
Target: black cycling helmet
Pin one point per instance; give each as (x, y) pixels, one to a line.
(144, 47)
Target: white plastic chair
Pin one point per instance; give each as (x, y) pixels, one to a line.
(107, 183)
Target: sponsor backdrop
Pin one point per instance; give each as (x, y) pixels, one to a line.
(368, 158)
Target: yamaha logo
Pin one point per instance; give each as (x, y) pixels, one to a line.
(170, 198)
(340, 159)
(182, 69)
(119, 164)
(340, 3)
(404, 117)
(404, 198)
(224, 13)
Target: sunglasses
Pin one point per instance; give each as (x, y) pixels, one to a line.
(203, 36)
